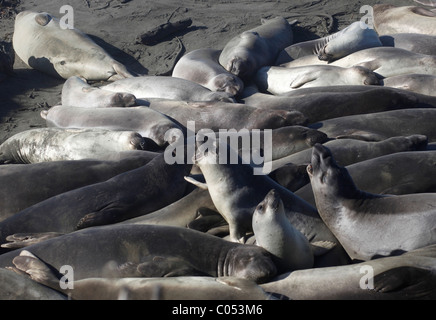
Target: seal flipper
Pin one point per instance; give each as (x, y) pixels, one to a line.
(207, 219)
(121, 72)
(322, 247)
(109, 214)
(302, 80)
(197, 183)
(20, 240)
(362, 135)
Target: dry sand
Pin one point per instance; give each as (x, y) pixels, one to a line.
(115, 24)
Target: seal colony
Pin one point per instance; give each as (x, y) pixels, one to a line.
(133, 225)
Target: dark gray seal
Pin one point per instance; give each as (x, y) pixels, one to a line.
(369, 225)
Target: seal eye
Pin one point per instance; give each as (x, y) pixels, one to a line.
(260, 207)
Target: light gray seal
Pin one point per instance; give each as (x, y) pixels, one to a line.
(381, 125)
(390, 19)
(43, 44)
(77, 92)
(419, 83)
(150, 124)
(128, 250)
(369, 225)
(415, 42)
(202, 66)
(280, 80)
(291, 250)
(357, 36)
(127, 195)
(410, 276)
(54, 144)
(33, 183)
(247, 52)
(166, 87)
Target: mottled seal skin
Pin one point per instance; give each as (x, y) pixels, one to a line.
(335, 46)
(166, 87)
(419, 83)
(415, 42)
(244, 54)
(202, 66)
(280, 80)
(390, 19)
(127, 195)
(407, 277)
(369, 225)
(349, 151)
(381, 125)
(20, 287)
(390, 174)
(222, 115)
(43, 44)
(158, 288)
(128, 250)
(273, 231)
(77, 92)
(33, 183)
(54, 144)
(323, 103)
(147, 122)
(385, 61)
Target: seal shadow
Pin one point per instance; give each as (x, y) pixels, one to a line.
(119, 55)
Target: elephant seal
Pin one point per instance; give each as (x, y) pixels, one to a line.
(279, 80)
(20, 287)
(349, 151)
(369, 225)
(41, 42)
(247, 52)
(223, 115)
(162, 288)
(381, 125)
(147, 122)
(54, 144)
(127, 195)
(409, 276)
(390, 19)
(273, 231)
(202, 66)
(415, 42)
(385, 61)
(128, 250)
(355, 37)
(393, 173)
(166, 87)
(77, 92)
(419, 83)
(321, 103)
(36, 182)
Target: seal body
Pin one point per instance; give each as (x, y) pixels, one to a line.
(77, 92)
(419, 83)
(52, 144)
(147, 122)
(279, 80)
(244, 54)
(202, 66)
(43, 44)
(165, 87)
(408, 221)
(415, 42)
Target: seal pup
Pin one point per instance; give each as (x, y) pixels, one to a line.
(54, 144)
(127, 250)
(369, 225)
(279, 80)
(247, 52)
(43, 44)
(357, 36)
(23, 185)
(77, 92)
(390, 19)
(290, 248)
(378, 126)
(124, 196)
(202, 66)
(415, 42)
(419, 83)
(150, 124)
(166, 87)
(409, 276)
